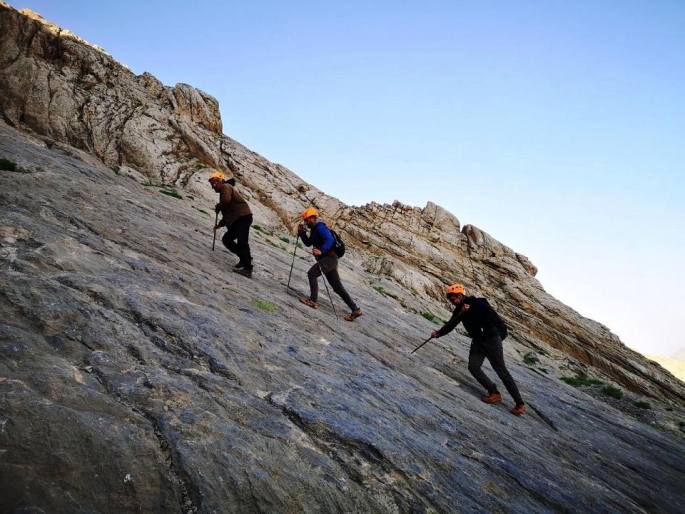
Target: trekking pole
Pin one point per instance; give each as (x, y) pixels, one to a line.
(293, 264)
(215, 222)
(431, 337)
(329, 293)
(419, 346)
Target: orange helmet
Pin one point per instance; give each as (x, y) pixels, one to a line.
(455, 289)
(309, 213)
(217, 174)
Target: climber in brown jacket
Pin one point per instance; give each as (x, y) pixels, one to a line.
(237, 218)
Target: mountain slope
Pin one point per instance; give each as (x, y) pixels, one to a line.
(58, 86)
(138, 373)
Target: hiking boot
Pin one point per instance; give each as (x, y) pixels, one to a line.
(308, 302)
(493, 398)
(353, 315)
(518, 410)
(245, 272)
(238, 266)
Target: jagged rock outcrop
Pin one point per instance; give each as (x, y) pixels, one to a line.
(57, 85)
(135, 374)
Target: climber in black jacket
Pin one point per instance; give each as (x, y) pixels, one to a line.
(487, 330)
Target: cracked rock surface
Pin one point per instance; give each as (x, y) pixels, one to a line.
(139, 374)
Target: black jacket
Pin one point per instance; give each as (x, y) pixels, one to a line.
(480, 321)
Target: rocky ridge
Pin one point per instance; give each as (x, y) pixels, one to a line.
(176, 387)
(56, 85)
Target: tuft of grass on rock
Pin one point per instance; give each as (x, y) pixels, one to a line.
(380, 290)
(200, 167)
(7, 165)
(432, 317)
(148, 184)
(612, 391)
(642, 404)
(530, 359)
(578, 381)
(544, 370)
(203, 211)
(171, 192)
(264, 305)
(285, 240)
(116, 169)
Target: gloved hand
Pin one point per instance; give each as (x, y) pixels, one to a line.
(301, 229)
(217, 208)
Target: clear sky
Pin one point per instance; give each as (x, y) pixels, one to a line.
(556, 126)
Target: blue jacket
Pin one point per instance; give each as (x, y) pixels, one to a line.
(320, 236)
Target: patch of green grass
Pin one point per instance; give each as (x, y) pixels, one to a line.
(379, 289)
(200, 167)
(116, 169)
(285, 240)
(203, 212)
(257, 228)
(170, 192)
(612, 391)
(432, 317)
(544, 370)
(7, 165)
(642, 404)
(578, 381)
(264, 305)
(530, 359)
(148, 184)
(190, 197)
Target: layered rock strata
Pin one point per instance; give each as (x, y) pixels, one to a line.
(60, 87)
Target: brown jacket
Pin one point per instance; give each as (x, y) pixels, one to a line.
(231, 205)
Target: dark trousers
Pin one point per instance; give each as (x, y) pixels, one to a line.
(491, 348)
(329, 265)
(236, 239)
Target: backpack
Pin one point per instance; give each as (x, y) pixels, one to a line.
(498, 322)
(339, 246)
(501, 326)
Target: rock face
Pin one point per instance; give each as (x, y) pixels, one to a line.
(675, 366)
(137, 374)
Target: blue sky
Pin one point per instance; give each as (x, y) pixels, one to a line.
(557, 127)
